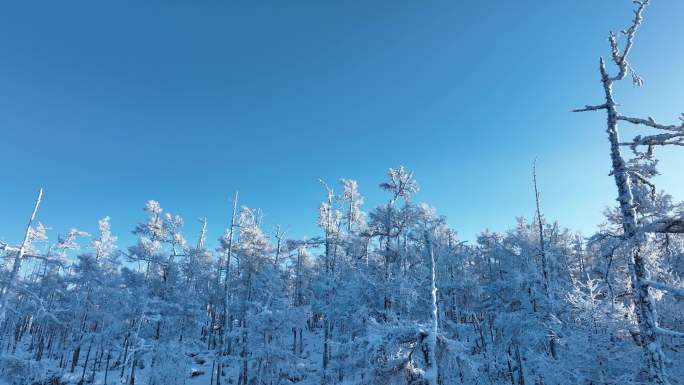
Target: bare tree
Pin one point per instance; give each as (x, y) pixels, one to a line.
(19, 254)
(626, 178)
(279, 236)
(227, 250)
(542, 250)
(431, 373)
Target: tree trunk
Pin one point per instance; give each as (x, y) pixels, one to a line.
(431, 372)
(643, 302)
(18, 258)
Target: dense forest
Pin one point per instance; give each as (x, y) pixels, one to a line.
(384, 295)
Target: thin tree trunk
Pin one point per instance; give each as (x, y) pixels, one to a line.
(431, 372)
(542, 251)
(85, 365)
(106, 368)
(16, 265)
(644, 307)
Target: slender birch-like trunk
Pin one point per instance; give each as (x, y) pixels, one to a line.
(542, 250)
(431, 372)
(18, 259)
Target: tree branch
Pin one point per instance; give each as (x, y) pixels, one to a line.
(6, 247)
(663, 287)
(642, 179)
(620, 58)
(665, 226)
(591, 108)
(652, 123)
(669, 333)
(674, 139)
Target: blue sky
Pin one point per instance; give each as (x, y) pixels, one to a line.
(109, 104)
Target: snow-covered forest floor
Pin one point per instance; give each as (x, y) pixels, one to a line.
(190, 366)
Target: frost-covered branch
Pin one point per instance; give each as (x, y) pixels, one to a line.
(665, 226)
(675, 139)
(650, 122)
(678, 291)
(6, 247)
(669, 333)
(620, 56)
(591, 108)
(642, 179)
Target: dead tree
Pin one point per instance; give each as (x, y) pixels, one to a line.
(431, 372)
(626, 178)
(544, 259)
(19, 254)
(542, 250)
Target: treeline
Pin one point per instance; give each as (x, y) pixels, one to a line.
(535, 305)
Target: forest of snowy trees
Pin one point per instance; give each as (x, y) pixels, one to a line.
(384, 295)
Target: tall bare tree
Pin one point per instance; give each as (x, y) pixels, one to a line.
(634, 231)
(19, 254)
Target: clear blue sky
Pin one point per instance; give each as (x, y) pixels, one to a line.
(109, 104)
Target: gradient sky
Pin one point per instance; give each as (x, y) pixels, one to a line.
(109, 104)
